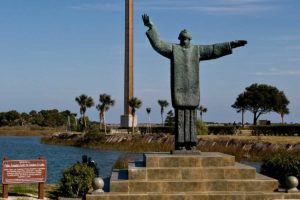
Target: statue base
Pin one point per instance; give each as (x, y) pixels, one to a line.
(126, 121)
(185, 152)
(209, 175)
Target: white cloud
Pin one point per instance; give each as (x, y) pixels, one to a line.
(277, 72)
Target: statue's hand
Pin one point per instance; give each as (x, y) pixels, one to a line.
(146, 20)
(238, 43)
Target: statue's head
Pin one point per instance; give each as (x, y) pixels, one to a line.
(184, 38)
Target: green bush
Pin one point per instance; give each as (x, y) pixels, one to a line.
(94, 134)
(280, 166)
(122, 162)
(201, 128)
(276, 130)
(223, 130)
(158, 129)
(77, 180)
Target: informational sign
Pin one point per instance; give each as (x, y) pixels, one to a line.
(24, 171)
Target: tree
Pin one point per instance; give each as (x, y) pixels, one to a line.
(84, 102)
(134, 103)
(163, 104)
(283, 111)
(70, 119)
(262, 99)
(240, 105)
(12, 117)
(202, 110)
(282, 108)
(24, 118)
(170, 119)
(105, 103)
(148, 110)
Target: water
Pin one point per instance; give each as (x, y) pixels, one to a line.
(58, 157)
(256, 165)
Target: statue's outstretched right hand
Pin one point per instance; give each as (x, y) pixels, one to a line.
(146, 20)
(238, 43)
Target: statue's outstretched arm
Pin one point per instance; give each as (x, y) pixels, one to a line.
(214, 51)
(163, 48)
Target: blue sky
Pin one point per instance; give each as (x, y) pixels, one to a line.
(54, 50)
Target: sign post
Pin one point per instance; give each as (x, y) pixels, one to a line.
(41, 184)
(24, 171)
(4, 186)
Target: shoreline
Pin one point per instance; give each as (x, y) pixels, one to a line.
(251, 148)
(28, 131)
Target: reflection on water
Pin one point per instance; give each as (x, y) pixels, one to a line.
(58, 157)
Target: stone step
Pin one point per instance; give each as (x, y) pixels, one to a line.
(195, 196)
(260, 183)
(239, 171)
(204, 159)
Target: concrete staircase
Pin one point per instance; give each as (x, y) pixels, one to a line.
(206, 176)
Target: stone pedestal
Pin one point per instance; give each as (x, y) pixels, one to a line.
(189, 177)
(126, 121)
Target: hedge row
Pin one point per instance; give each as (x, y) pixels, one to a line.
(157, 129)
(215, 130)
(276, 130)
(223, 130)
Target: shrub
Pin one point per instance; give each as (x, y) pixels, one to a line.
(77, 179)
(223, 130)
(285, 130)
(201, 128)
(93, 134)
(122, 162)
(280, 166)
(158, 129)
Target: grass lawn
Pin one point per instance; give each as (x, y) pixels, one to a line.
(29, 189)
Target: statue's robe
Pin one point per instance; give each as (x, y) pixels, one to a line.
(185, 90)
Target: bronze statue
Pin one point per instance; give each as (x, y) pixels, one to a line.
(185, 92)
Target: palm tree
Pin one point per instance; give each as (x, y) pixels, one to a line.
(148, 110)
(105, 102)
(134, 103)
(163, 104)
(84, 102)
(202, 110)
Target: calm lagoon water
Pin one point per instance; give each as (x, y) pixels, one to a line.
(58, 157)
